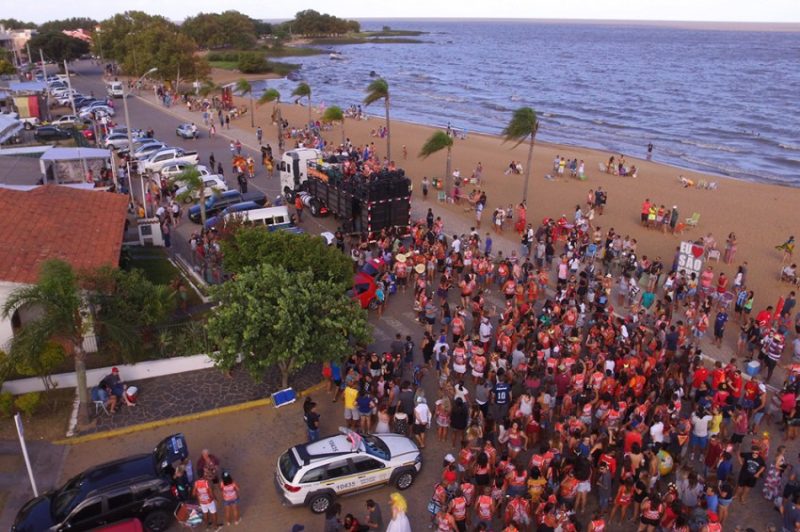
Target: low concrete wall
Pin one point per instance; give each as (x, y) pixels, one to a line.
(128, 372)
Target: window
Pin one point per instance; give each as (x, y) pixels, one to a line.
(87, 513)
(120, 500)
(338, 469)
(315, 475)
(364, 464)
(361, 288)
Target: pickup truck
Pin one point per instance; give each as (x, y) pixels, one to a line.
(168, 156)
(219, 202)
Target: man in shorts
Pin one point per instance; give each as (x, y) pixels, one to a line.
(205, 496)
(351, 415)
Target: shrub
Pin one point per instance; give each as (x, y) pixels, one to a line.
(252, 63)
(28, 403)
(6, 404)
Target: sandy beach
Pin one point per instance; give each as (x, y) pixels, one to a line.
(759, 214)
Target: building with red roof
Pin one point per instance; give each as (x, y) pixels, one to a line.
(84, 228)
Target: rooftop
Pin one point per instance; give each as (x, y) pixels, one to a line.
(81, 227)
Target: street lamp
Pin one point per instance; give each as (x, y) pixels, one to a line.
(128, 129)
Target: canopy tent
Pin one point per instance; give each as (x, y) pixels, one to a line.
(72, 165)
(27, 86)
(9, 126)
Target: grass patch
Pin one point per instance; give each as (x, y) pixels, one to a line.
(49, 422)
(225, 65)
(293, 51)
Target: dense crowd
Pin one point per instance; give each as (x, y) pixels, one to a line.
(581, 401)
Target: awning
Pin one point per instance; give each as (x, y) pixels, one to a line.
(75, 154)
(9, 126)
(27, 86)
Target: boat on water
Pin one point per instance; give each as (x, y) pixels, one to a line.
(336, 56)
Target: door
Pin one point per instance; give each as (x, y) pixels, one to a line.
(87, 516)
(340, 477)
(370, 471)
(120, 505)
(170, 450)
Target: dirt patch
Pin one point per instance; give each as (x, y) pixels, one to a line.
(11, 463)
(50, 421)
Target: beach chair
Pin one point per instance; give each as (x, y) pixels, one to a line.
(694, 220)
(441, 196)
(713, 254)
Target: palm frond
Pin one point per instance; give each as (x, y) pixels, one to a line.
(333, 113)
(377, 90)
(244, 87)
(303, 90)
(438, 141)
(269, 95)
(524, 123)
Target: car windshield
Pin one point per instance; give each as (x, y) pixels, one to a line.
(376, 447)
(369, 269)
(288, 466)
(64, 500)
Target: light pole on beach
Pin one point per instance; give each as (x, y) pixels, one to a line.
(128, 128)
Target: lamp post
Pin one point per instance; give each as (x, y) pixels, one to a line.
(128, 128)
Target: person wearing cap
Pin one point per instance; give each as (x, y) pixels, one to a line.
(117, 387)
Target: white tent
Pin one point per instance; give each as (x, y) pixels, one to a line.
(63, 167)
(9, 126)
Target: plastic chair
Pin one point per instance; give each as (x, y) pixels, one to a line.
(441, 196)
(694, 220)
(100, 405)
(714, 254)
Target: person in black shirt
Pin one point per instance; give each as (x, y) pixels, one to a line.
(753, 466)
(311, 418)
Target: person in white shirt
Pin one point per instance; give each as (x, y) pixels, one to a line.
(422, 418)
(485, 331)
(657, 431)
(699, 438)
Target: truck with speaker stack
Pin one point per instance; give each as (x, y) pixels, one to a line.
(363, 203)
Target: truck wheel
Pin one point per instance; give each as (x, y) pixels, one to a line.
(157, 521)
(314, 207)
(320, 503)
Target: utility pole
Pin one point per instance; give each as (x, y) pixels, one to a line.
(44, 66)
(30, 57)
(69, 86)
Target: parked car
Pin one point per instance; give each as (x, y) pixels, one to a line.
(220, 202)
(167, 156)
(66, 120)
(51, 133)
(236, 207)
(173, 170)
(116, 140)
(363, 291)
(187, 131)
(88, 133)
(146, 150)
(315, 473)
(138, 143)
(96, 110)
(136, 487)
(213, 184)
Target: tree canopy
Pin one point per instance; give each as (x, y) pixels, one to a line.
(73, 23)
(139, 42)
(313, 23)
(249, 247)
(229, 29)
(58, 47)
(14, 24)
(273, 317)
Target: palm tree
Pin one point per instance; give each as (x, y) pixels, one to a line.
(334, 113)
(195, 185)
(378, 89)
(207, 88)
(524, 124)
(272, 95)
(244, 88)
(435, 143)
(303, 90)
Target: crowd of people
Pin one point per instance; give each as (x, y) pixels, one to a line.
(582, 401)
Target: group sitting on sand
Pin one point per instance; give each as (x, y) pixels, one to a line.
(618, 167)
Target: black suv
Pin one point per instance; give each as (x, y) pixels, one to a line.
(218, 202)
(136, 487)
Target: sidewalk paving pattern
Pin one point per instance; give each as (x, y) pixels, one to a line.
(197, 391)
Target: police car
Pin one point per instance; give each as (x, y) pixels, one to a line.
(315, 473)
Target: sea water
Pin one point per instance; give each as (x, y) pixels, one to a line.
(717, 101)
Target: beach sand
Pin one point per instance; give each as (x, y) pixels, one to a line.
(760, 215)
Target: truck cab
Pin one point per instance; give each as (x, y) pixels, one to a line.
(114, 89)
(293, 169)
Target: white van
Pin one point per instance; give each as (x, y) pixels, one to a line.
(114, 89)
(268, 217)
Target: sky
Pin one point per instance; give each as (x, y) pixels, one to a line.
(667, 10)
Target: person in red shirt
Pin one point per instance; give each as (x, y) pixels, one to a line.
(764, 317)
(717, 375)
(699, 376)
(631, 436)
(735, 384)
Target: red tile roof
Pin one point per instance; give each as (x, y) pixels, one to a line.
(81, 227)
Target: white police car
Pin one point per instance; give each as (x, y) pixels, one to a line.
(314, 473)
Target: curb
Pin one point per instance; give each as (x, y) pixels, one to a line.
(124, 431)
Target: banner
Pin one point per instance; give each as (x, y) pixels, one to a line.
(691, 258)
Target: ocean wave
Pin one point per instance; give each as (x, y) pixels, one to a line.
(790, 147)
(707, 146)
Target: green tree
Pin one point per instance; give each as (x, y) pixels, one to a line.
(14, 24)
(208, 87)
(229, 29)
(437, 142)
(303, 90)
(6, 67)
(271, 317)
(245, 88)
(195, 188)
(42, 363)
(252, 63)
(524, 125)
(73, 23)
(248, 247)
(378, 89)
(67, 312)
(272, 95)
(58, 47)
(334, 113)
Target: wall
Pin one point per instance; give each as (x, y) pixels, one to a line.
(128, 372)
(6, 333)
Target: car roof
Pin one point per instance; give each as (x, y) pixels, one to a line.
(118, 472)
(330, 447)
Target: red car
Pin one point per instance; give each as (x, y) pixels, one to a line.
(363, 291)
(373, 267)
(88, 133)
